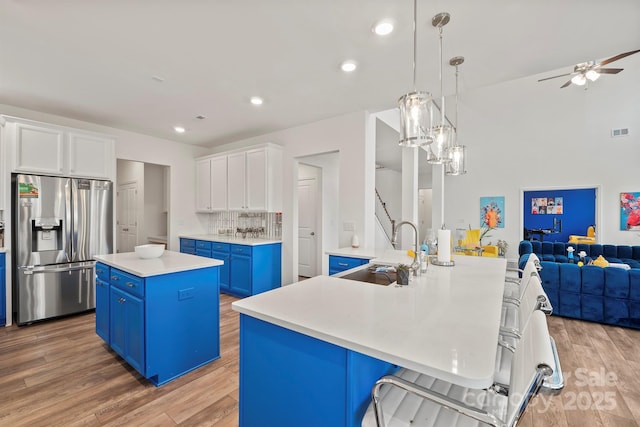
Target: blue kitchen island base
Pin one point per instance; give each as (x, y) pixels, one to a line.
(291, 379)
(164, 325)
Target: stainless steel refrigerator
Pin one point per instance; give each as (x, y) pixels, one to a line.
(59, 225)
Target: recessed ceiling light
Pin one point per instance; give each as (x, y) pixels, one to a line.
(256, 100)
(383, 28)
(179, 129)
(349, 66)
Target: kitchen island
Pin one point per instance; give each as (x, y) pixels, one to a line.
(311, 352)
(161, 315)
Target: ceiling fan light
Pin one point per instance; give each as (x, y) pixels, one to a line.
(579, 80)
(592, 75)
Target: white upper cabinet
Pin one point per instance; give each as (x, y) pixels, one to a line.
(248, 180)
(203, 185)
(55, 150)
(89, 155)
(37, 149)
(237, 179)
(211, 184)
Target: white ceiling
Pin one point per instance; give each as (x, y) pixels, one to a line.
(93, 60)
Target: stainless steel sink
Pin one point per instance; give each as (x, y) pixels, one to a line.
(368, 274)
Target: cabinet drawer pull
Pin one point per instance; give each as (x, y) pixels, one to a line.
(114, 278)
(121, 300)
(131, 285)
(99, 271)
(343, 264)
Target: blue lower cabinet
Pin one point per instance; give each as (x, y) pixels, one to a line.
(163, 326)
(338, 264)
(247, 270)
(3, 291)
(240, 273)
(224, 269)
(188, 246)
(291, 379)
(127, 327)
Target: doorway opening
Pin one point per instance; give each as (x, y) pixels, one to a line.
(554, 214)
(316, 207)
(142, 204)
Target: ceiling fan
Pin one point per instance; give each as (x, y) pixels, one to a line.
(591, 70)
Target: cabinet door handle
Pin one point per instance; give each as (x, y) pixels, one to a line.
(121, 300)
(343, 264)
(114, 278)
(99, 271)
(131, 285)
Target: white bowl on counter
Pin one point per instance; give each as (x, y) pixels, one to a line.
(150, 250)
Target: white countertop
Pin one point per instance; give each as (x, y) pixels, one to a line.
(393, 257)
(444, 323)
(169, 262)
(355, 252)
(249, 241)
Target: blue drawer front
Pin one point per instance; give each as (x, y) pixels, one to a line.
(241, 249)
(203, 245)
(103, 272)
(188, 246)
(342, 263)
(127, 282)
(220, 247)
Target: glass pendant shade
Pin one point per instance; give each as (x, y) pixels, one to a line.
(439, 150)
(457, 165)
(414, 119)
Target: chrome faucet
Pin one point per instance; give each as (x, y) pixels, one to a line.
(394, 242)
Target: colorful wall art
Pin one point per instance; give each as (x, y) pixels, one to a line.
(629, 211)
(492, 212)
(547, 205)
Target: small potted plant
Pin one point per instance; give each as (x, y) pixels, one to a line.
(402, 274)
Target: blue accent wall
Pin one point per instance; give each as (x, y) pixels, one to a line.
(579, 212)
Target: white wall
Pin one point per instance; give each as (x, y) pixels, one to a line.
(144, 148)
(345, 134)
(525, 134)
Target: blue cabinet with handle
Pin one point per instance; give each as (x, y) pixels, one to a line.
(163, 325)
(247, 270)
(338, 264)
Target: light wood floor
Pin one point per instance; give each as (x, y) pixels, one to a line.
(60, 373)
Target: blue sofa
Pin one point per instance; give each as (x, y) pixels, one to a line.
(557, 252)
(606, 295)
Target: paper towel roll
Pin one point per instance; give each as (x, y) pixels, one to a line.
(444, 245)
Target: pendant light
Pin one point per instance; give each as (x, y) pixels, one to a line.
(439, 150)
(457, 165)
(415, 107)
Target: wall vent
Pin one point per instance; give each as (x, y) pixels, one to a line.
(619, 132)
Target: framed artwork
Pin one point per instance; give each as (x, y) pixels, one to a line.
(547, 205)
(492, 212)
(630, 211)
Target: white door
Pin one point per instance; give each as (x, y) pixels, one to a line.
(127, 220)
(307, 224)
